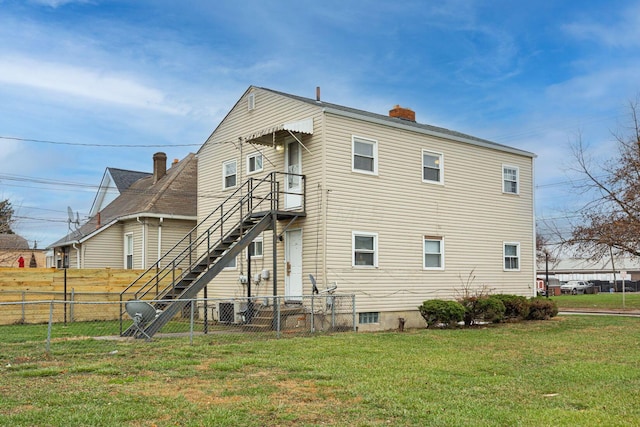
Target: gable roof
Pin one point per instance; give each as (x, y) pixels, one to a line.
(399, 123)
(172, 196)
(114, 178)
(123, 178)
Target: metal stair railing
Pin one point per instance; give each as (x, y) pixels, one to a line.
(192, 256)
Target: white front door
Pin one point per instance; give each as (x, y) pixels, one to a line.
(293, 181)
(293, 265)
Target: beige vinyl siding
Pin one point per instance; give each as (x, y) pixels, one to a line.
(151, 232)
(270, 110)
(74, 254)
(137, 230)
(105, 249)
(469, 211)
(174, 231)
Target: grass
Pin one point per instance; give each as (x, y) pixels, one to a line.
(601, 301)
(569, 371)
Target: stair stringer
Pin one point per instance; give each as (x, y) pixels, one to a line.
(192, 291)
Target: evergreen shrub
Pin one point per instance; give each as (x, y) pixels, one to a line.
(441, 312)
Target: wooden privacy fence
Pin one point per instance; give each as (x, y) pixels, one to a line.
(23, 291)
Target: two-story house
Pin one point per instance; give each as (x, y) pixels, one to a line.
(394, 211)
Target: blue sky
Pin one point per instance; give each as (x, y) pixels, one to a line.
(90, 84)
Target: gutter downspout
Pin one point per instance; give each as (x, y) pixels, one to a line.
(324, 200)
(160, 240)
(535, 232)
(144, 244)
(73, 245)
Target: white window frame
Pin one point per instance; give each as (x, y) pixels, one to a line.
(440, 167)
(253, 248)
(129, 249)
(505, 180)
(225, 175)
(255, 156)
(369, 318)
(233, 265)
(355, 234)
(504, 255)
(424, 252)
(371, 142)
(251, 101)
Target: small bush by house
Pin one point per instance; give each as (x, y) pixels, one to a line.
(542, 309)
(440, 312)
(516, 306)
(482, 308)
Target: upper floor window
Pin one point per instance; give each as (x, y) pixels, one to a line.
(512, 256)
(510, 179)
(365, 249)
(431, 167)
(254, 163)
(433, 253)
(365, 155)
(229, 174)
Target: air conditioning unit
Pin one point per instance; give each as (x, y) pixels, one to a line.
(231, 311)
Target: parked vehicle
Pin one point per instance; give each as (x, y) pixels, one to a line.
(574, 287)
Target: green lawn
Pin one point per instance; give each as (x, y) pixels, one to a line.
(603, 301)
(570, 371)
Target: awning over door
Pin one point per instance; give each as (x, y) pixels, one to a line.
(267, 136)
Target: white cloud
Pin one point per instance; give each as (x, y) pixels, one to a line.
(57, 3)
(623, 32)
(87, 83)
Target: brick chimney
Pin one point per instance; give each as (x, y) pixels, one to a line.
(403, 113)
(159, 166)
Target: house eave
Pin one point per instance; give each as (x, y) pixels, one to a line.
(412, 128)
(158, 216)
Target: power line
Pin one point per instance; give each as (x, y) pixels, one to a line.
(79, 144)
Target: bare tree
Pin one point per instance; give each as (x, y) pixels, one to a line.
(611, 221)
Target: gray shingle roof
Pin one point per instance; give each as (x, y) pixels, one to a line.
(13, 242)
(123, 179)
(407, 123)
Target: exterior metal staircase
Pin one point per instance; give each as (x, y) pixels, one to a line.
(181, 273)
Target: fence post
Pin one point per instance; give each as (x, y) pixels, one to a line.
(193, 303)
(313, 329)
(65, 297)
(353, 310)
(71, 306)
(333, 311)
(48, 346)
(24, 306)
(277, 301)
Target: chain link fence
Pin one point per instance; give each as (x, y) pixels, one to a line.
(45, 323)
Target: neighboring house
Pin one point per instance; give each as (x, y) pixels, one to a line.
(566, 269)
(114, 182)
(15, 252)
(394, 211)
(151, 213)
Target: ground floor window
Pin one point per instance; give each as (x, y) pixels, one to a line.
(128, 251)
(365, 249)
(369, 317)
(433, 253)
